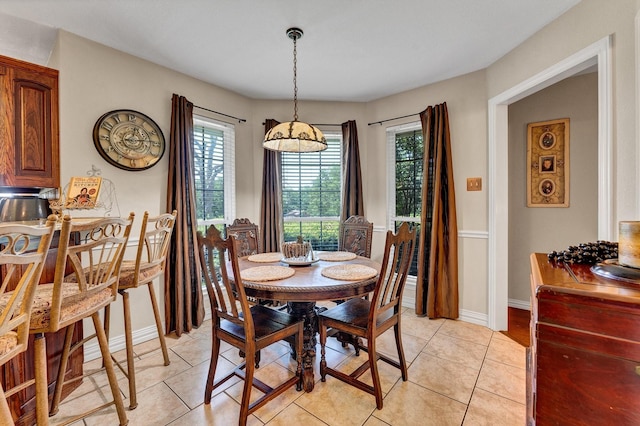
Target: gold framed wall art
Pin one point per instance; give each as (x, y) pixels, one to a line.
(548, 163)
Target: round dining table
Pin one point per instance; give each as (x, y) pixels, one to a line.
(302, 290)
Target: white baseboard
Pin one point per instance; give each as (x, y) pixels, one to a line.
(409, 301)
(474, 317)
(520, 304)
(117, 343)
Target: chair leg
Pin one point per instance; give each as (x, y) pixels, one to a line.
(57, 394)
(128, 337)
(248, 385)
(107, 320)
(107, 323)
(373, 366)
(213, 363)
(156, 313)
(108, 365)
(5, 412)
(42, 395)
(402, 361)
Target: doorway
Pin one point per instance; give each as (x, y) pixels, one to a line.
(598, 54)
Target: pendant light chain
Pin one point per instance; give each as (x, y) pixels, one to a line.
(295, 75)
(294, 136)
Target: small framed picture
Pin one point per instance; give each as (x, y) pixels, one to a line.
(547, 140)
(547, 187)
(547, 164)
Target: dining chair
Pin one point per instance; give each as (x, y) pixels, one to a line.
(248, 328)
(368, 319)
(246, 235)
(149, 264)
(23, 250)
(356, 234)
(247, 239)
(91, 285)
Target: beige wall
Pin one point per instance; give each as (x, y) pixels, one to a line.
(533, 229)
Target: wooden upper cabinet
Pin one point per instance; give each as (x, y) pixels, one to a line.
(29, 133)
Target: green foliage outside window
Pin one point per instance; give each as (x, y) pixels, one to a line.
(409, 147)
(209, 172)
(409, 163)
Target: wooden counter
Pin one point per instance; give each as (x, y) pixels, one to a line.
(583, 366)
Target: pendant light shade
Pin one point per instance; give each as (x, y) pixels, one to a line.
(295, 136)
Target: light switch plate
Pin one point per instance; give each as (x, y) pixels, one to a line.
(474, 184)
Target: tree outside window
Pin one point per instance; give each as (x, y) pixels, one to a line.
(406, 151)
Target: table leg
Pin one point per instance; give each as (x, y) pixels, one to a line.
(307, 311)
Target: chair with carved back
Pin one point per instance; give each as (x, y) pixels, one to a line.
(72, 297)
(368, 319)
(248, 328)
(149, 264)
(246, 235)
(356, 234)
(247, 239)
(22, 266)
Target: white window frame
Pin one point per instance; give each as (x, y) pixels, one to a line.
(391, 173)
(329, 134)
(229, 158)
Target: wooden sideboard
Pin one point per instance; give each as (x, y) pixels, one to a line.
(583, 366)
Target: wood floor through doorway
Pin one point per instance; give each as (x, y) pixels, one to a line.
(518, 328)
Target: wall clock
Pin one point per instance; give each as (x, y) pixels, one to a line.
(128, 139)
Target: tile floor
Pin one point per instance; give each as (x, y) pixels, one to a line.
(459, 374)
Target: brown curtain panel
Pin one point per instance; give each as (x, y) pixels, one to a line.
(182, 291)
(437, 282)
(352, 196)
(271, 228)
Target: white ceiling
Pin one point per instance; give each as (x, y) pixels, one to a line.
(352, 50)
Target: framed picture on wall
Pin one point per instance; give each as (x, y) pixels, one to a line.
(548, 163)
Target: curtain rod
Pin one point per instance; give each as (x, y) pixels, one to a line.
(391, 119)
(315, 124)
(240, 120)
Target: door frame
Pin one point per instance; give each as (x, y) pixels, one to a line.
(599, 53)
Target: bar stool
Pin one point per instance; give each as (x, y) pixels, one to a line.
(22, 268)
(151, 257)
(82, 294)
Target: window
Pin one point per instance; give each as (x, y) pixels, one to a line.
(405, 154)
(311, 193)
(214, 169)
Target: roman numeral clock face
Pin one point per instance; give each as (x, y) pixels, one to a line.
(128, 139)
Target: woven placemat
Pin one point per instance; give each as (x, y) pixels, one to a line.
(266, 273)
(265, 257)
(349, 272)
(336, 256)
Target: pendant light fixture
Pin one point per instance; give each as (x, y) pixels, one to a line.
(295, 136)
